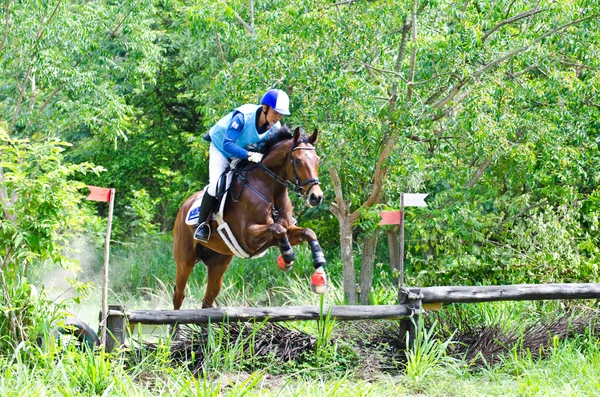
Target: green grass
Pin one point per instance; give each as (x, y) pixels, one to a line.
(142, 277)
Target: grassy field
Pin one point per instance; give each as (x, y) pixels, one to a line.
(495, 349)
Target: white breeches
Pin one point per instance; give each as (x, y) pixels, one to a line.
(217, 163)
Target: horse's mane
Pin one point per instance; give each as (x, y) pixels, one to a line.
(282, 134)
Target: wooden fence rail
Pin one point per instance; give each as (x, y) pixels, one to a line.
(411, 303)
(517, 292)
(271, 314)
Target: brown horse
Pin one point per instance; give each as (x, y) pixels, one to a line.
(259, 213)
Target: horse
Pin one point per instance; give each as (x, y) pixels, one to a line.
(259, 213)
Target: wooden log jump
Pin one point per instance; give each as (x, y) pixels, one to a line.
(270, 314)
(517, 292)
(411, 304)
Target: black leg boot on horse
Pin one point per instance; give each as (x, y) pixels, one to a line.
(203, 230)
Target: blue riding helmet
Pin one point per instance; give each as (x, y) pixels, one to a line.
(278, 100)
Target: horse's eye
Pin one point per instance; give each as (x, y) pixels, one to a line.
(298, 162)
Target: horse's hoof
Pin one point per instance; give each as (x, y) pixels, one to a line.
(285, 267)
(318, 281)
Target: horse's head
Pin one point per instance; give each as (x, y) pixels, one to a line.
(303, 169)
(292, 157)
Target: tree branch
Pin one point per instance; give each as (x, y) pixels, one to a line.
(523, 211)
(6, 19)
(399, 58)
(528, 46)
(450, 96)
(248, 28)
(479, 172)
(114, 32)
(510, 20)
(413, 52)
(378, 178)
(503, 58)
(222, 56)
(44, 22)
(339, 207)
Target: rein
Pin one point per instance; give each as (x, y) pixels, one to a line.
(296, 187)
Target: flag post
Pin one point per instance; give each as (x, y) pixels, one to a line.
(111, 206)
(401, 273)
(397, 218)
(104, 195)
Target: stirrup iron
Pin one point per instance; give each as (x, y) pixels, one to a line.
(199, 229)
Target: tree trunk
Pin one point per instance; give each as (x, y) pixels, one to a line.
(394, 248)
(366, 268)
(346, 221)
(348, 260)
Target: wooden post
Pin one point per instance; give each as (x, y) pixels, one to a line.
(409, 326)
(116, 323)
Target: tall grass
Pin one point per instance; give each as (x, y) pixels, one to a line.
(142, 276)
(147, 270)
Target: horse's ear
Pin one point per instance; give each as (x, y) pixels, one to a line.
(314, 136)
(297, 134)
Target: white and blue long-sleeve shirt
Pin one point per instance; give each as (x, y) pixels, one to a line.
(235, 132)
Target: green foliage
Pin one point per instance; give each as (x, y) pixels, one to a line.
(66, 66)
(39, 213)
(427, 353)
(27, 317)
(39, 202)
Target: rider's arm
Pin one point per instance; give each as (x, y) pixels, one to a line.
(231, 136)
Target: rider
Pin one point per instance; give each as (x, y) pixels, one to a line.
(230, 138)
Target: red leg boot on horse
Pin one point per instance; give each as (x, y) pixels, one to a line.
(285, 261)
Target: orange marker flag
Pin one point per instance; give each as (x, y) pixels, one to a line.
(390, 218)
(99, 194)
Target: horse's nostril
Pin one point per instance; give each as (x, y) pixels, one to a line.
(315, 200)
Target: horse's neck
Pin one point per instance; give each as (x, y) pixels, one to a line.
(277, 160)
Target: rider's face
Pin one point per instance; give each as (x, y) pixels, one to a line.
(272, 116)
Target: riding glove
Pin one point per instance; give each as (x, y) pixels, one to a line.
(255, 157)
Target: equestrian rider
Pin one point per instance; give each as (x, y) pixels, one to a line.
(230, 138)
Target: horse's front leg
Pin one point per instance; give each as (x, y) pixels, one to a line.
(259, 234)
(298, 235)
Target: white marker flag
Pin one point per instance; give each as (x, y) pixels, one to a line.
(415, 199)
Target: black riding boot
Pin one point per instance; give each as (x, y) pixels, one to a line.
(203, 231)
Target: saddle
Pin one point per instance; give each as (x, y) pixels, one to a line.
(218, 215)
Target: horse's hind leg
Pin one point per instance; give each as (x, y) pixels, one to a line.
(185, 256)
(184, 269)
(216, 265)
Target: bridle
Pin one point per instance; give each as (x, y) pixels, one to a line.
(298, 185)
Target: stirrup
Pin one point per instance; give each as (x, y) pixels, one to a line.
(202, 232)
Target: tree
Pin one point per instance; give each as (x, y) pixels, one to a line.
(68, 66)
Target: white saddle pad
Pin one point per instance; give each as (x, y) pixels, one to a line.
(223, 229)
